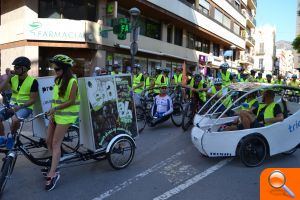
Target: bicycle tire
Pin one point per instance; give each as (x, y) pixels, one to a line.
(118, 147)
(178, 110)
(141, 118)
(187, 117)
(6, 172)
(71, 140)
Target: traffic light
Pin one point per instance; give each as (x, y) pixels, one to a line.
(121, 28)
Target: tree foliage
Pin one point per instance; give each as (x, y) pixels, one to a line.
(296, 44)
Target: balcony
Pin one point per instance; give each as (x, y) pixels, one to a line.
(245, 58)
(260, 53)
(250, 20)
(250, 41)
(189, 12)
(252, 4)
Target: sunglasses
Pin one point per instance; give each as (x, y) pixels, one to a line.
(57, 69)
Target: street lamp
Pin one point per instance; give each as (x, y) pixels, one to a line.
(134, 14)
(232, 47)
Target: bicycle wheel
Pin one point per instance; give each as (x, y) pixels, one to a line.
(177, 114)
(141, 118)
(71, 141)
(121, 153)
(187, 117)
(6, 171)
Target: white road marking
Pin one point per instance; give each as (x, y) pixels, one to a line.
(177, 172)
(137, 177)
(192, 180)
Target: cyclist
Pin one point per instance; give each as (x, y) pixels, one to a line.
(241, 77)
(162, 107)
(280, 80)
(269, 79)
(177, 77)
(116, 69)
(158, 80)
(259, 78)
(224, 74)
(252, 78)
(63, 113)
(6, 92)
(138, 79)
(294, 82)
(24, 94)
(166, 78)
(198, 91)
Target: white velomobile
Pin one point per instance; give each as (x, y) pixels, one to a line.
(255, 144)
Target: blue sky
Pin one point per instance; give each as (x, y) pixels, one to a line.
(281, 14)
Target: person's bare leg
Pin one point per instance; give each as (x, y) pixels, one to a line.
(58, 136)
(15, 125)
(50, 133)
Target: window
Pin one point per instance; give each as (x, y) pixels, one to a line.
(261, 63)
(170, 34)
(68, 9)
(202, 45)
(261, 47)
(226, 21)
(190, 41)
(204, 7)
(178, 36)
(220, 17)
(237, 4)
(236, 29)
(150, 28)
(205, 46)
(216, 50)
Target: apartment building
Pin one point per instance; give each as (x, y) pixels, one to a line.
(265, 49)
(297, 55)
(171, 32)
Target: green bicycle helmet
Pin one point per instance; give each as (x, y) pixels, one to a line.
(62, 60)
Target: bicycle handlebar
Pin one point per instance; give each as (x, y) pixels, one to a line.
(43, 115)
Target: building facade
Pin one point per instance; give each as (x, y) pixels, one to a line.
(286, 62)
(297, 55)
(265, 49)
(171, 32)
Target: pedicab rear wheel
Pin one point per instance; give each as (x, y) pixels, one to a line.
(141, 118)
(253, 151)
(121, 153)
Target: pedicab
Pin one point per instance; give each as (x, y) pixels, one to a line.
(107, 127)
(252, 145)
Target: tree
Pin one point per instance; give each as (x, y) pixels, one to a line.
(296, 44)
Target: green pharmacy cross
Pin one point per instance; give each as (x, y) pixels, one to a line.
(120, 28)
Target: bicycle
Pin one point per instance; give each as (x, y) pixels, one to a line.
(119, 151)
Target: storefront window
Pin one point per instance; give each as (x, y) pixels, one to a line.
(68, 9)
(191, 41)
(216, 50)
(152, 64)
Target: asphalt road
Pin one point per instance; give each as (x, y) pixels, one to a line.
(166, 166)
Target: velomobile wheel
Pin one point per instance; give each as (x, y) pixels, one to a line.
(253, 151)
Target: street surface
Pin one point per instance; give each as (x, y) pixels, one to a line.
(166, 166)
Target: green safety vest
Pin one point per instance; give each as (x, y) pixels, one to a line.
(279, 82)
(239, 78)
(114, 73)
(202, 95)
(136, 82)
(260, 80)
(227, 101)
(294, 84)
(226, 78)
(251, 103)
(147, 82)
(177, 78)
(70, 114)
(269, 111)
(158, 82)
(23, 95)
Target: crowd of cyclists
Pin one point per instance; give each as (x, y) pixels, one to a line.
(20, 92)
